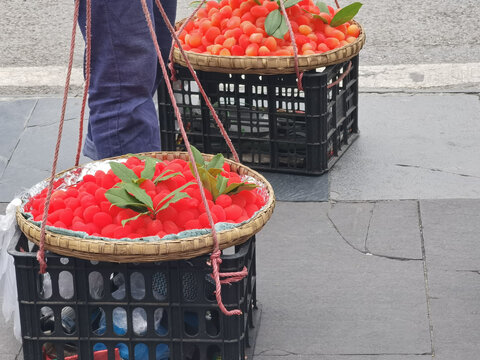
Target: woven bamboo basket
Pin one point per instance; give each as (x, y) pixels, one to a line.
(270, 65)
(139, 251)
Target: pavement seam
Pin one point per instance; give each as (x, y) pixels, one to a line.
(397, 258)
(287, 353)
(425, 276)
(437, 170)
(48, 124)
(368, 227)
(25, 125)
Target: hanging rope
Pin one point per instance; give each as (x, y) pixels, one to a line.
(341, 76)
(294, 44)
(215, 257)
(173, 76)
(88, 55)
(195, 77)
(41, 251)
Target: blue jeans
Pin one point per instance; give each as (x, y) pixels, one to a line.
(124, 76)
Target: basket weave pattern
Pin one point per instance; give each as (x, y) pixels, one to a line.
(269, 65)
(127, 251)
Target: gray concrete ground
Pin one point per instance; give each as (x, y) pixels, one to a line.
(379, 263)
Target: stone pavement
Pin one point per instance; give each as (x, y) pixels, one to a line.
(377, 260)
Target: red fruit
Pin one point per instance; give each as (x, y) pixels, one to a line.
(248, 28)
(108, 230)
(184, 216)
(89, 187)
(260, 201)
(223, 200)
(270, 5)
(89, 212)
(59, 224)
(332, 42)
(251, 209)
(271, 44)
(326, 16)
(252, 50)
(264, 51)
(123, 215)
(203, 218)
(154, 227)
(259, 11)
(100, 195)
(89, 178)
(202, 13)
(192, 224)
(167, 214)
(322, 47)
(108, 181)
(170, 227)
(133, 161)
(212, 33)
(79, 226)
(233, 212)
(220, 39)
(66, 216)
(256, 38)
(212, 5)
(226, 11)
(237, 50)
(105, 206)
(244, 41)
(78, 212)
(260, 22)
(219, 212)
(102, 219)
(122, 231)
(233, 22)
(72, 192)
(304, 29)
(248, 17)
(87, 200)
(242, 219)
(228, 43)
(239, 200)
(194, 40)
(353, 30)
(56, 204)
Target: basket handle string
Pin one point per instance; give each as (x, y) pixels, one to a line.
(200, 87)
(341, 77)
(337, 4)
(294, 44)
(88, 56)
(215, 257)
(41, 251)
(173, 76)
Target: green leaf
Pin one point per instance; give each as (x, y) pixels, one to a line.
(273, 21)
(124, 221)
(323, 7)
(216, 162)
(258, 2)
(173, 196)
(345, 14)
(237, 187)
(174, 199)
(221, 184)
(315, 16)
(121, 198)
(290, 3)
(140, 194)
(197, 155)
(282, 29)
(123, 172)
(149, 170)
(165, 176)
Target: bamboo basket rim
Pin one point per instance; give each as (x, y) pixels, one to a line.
(161, 250)
(270, 65)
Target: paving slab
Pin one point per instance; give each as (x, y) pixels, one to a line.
(14, 115)
(48, 110)
(321, 296)
(394, 230)
(452, 253)
(9, 346)
(289, 187)
(412, 147)
(32, 160)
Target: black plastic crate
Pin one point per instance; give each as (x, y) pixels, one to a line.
(273, 125)
(83, 309)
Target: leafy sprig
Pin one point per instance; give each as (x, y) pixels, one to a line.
(128, 194)
(276, 25)
(210, 175)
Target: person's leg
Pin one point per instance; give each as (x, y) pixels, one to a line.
(164, 37)
(123, 118)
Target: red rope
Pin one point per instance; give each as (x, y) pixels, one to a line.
(202, 91)
(88, 55)
(41, 251)
(338, 5)
(294, 44)
(215, 257)
(341, 76)
(170, 57)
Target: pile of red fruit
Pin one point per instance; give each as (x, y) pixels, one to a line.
(84, 207)
(238, 28)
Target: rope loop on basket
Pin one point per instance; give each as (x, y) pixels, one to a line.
(41, 251)
(341, 77)
(215, 257)
(294, 45)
